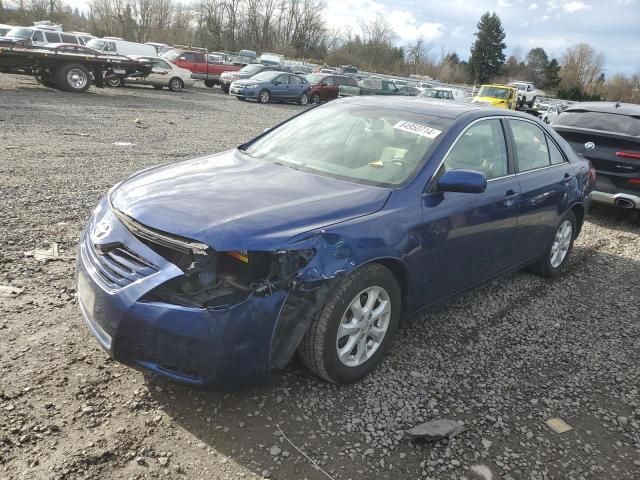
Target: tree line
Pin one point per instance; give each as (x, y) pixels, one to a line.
(297, 29)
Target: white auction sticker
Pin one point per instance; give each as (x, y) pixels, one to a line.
(418, 129)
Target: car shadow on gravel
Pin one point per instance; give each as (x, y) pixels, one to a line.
(481, 332)
(620, 219)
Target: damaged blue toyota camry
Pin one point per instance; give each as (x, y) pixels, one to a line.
(321, 234)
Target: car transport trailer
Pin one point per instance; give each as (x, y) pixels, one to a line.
(68, 67)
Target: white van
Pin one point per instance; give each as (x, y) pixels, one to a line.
(113, 46)
(40, 37)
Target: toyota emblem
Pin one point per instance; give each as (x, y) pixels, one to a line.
(589, 145)
(101, 230)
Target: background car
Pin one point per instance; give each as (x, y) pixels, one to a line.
(608, 134)
(272, 86)
(409, 91)
(163, 74)
(4, 29)
(248, 71)
(325, 87)
(548, 113)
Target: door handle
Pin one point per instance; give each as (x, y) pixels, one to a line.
(510, 197)
(567, 178)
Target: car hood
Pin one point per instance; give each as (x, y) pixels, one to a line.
(231, 201)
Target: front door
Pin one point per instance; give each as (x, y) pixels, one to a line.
(468, 238)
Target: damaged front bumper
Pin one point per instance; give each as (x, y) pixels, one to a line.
(234, 341)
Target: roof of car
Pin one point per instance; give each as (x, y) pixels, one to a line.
(429, 106)
(607, 107)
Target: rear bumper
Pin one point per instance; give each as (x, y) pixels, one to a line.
(619, 199)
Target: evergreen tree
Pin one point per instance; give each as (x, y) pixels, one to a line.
(552, 74)
(487, 52)
(537, 64)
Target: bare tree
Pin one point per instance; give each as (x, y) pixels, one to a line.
(581, 67)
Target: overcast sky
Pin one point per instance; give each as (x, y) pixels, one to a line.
(611, 26)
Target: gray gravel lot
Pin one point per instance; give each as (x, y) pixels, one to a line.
(501, 360)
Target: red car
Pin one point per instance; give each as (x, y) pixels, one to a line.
(325, 87)
(201, 65)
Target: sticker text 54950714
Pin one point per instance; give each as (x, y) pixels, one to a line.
(418, 129)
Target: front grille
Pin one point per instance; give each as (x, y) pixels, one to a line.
(115, 265)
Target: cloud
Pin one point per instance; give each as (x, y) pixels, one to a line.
(533, 6)
(347, 13)
(572, 7)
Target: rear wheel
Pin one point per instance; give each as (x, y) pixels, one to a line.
(533, 100)
(115, 82)
(304, 99)
(209, 83)
(176, 84)
(73, 78)
(557, 253)
(315, 98)
(351, 333)
(264, 97)
(225, 88)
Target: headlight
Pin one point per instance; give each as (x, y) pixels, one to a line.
(250, 86)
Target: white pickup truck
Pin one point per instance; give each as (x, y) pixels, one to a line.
(526, 93)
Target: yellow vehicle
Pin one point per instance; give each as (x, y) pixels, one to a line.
(499, 96)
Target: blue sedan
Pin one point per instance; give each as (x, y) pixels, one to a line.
(319, 235)
(270, 86)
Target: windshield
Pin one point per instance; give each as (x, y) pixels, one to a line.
(266, 76)
(4, 31)
(315, 78)
(20, 33)
(97, 44)
(171, 54)
(363, 144)
(252, 69)
(493, 92)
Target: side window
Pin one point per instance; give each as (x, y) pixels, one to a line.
(52, 37)
(188, 57)
(37, 36)
(198, 58)
(329, 81)
(283, 79)
(554, 152)
(482, 148)
(531, 145)
(157, 63)
(68, 38)
(110, 47)
(293, 80)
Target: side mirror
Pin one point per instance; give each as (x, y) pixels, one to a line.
(181, 58)
(463, 181)
(276, 82)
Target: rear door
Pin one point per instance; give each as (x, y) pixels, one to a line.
(545, 177)
(160, 72)
(331, 88)
(297, 86)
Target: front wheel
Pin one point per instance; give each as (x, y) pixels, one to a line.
(315, 98)
(533, 100)
(209, 83)
(176, 84)
(352, 332)
(225, 88)
(114, 82)
(265, 96)
(557, 253)
(303, 100)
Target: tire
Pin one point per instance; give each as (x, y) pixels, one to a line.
(264, 97)
(158, 87)
(320, 345)
(533, 100)
(115, 82)
(546, 266)
(209, 83)
(546, 120)
(315, 98)
(240, 98)
(303, 100)
(176, 84)
(72, 77)
(225, 88)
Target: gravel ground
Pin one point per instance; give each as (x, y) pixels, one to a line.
(501, 360)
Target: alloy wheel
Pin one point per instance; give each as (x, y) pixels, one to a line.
(363, 326)
(264, 96)
(561, 243)
(76, 78)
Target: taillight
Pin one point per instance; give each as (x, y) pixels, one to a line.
(628, 154)
(592, 174)
(634, 181)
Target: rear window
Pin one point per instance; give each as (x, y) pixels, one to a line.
(606, 122)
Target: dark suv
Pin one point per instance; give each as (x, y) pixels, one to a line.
(325, 87)
(247, 72)
(608, 134)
